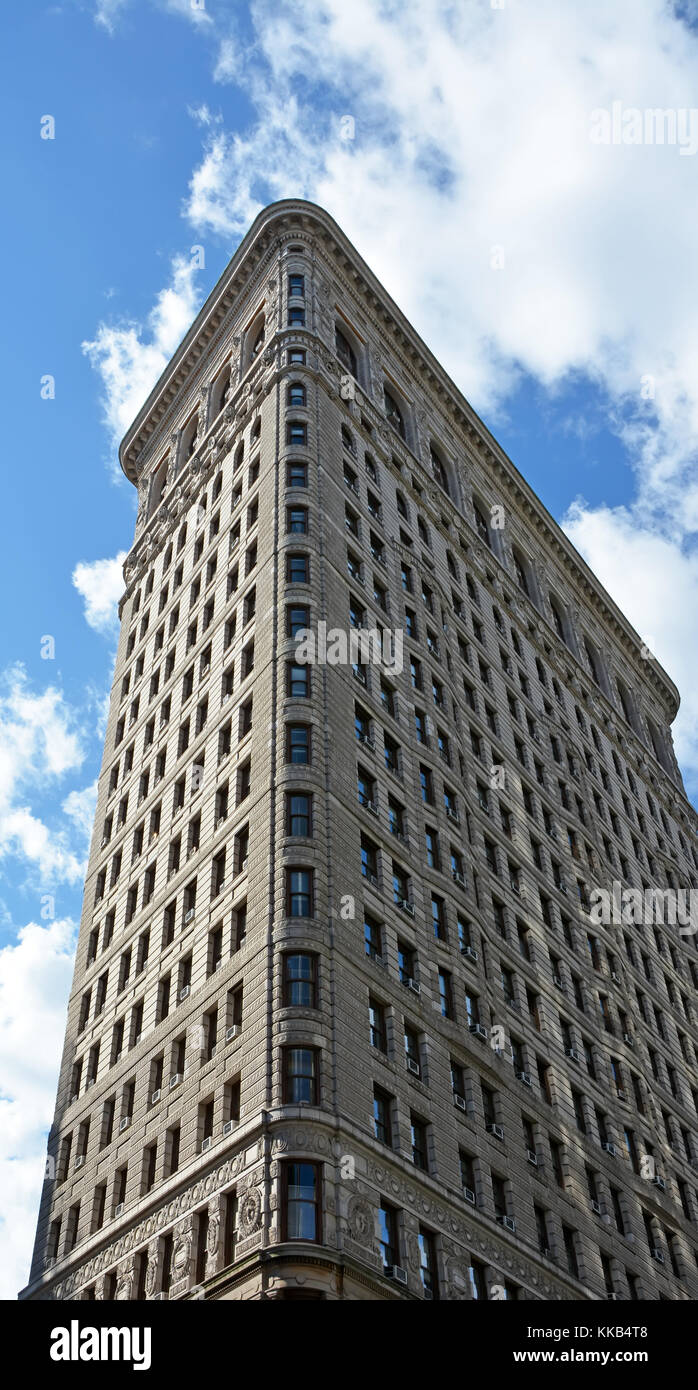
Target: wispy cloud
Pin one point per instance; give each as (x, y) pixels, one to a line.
(100, 584)
(130, 357)
(41, 742)
(35, 975)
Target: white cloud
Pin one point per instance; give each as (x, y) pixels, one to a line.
(101, 584)
(35, 976)
(655, 584)
(472, 131)
(130, 359)
(80, 805)
(108, 12)
(39, 744)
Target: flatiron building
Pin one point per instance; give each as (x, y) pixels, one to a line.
(344, 1022)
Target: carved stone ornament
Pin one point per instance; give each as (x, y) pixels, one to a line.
(250, 1211)
(360, 1221)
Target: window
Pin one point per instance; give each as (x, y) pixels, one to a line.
(298, 569)
(345, 352)
(388, 1239)
(372, 937)
(393, 412)
(301, 1201)
(427, 1263)
(299, 892)
(297, 520)
(298, 743)
(300, 1076)
(296, 474)
(296, 433)
(299, 821)
(300, 980)
(382, 1119)
(418, 1140)
(376, 1022)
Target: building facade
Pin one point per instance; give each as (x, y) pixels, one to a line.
(344, 1022)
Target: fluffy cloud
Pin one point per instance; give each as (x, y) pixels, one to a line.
(100, 583)
(35, 975)
(40, 743)
(454, 145)
(130, 358)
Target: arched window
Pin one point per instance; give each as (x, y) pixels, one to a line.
(222, 388)
(594, 662)
(158, 484)
(296, 393)
(393, 412)
(627, 705)
(254, 340)
(189, 438)
(521, 575)
(558, 620)
(481, 524)
(345, 352)
(438, 470)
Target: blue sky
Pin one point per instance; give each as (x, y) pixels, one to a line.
(555, 277)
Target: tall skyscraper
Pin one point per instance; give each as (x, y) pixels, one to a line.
(350, 1017)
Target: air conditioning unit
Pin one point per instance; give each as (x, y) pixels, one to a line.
(218, 966)
(189, 916)
(119, 1210)
(414, 986)
(469, 1195)
(371, 806)
(459, 1101)
(124, 1123)
(377, 960)
(628, 1038)
(105, 841)
(155, 1097)
(226, 697)
(507, 1221)
(557, 980)
(469, 951)
(458, 878)
(621, 1094)
(395, 1272)
(658, 1256)
(90, 1082)
(364, 738)
(205, 1144)
(213, 1052)
(616, 978)
(532, 1158)
(73, 1098)
(175, 1080)
(660, 1183)
(184, 992)
(228, 1128)
(233, 1032)
(406, 906)
(596, 1208)
(453, 815)
(609, 1148)
(478, 1031)
(575, 1056)
(496, 1130)
(524, 1076)
(414, 1067)
(79, 1160)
